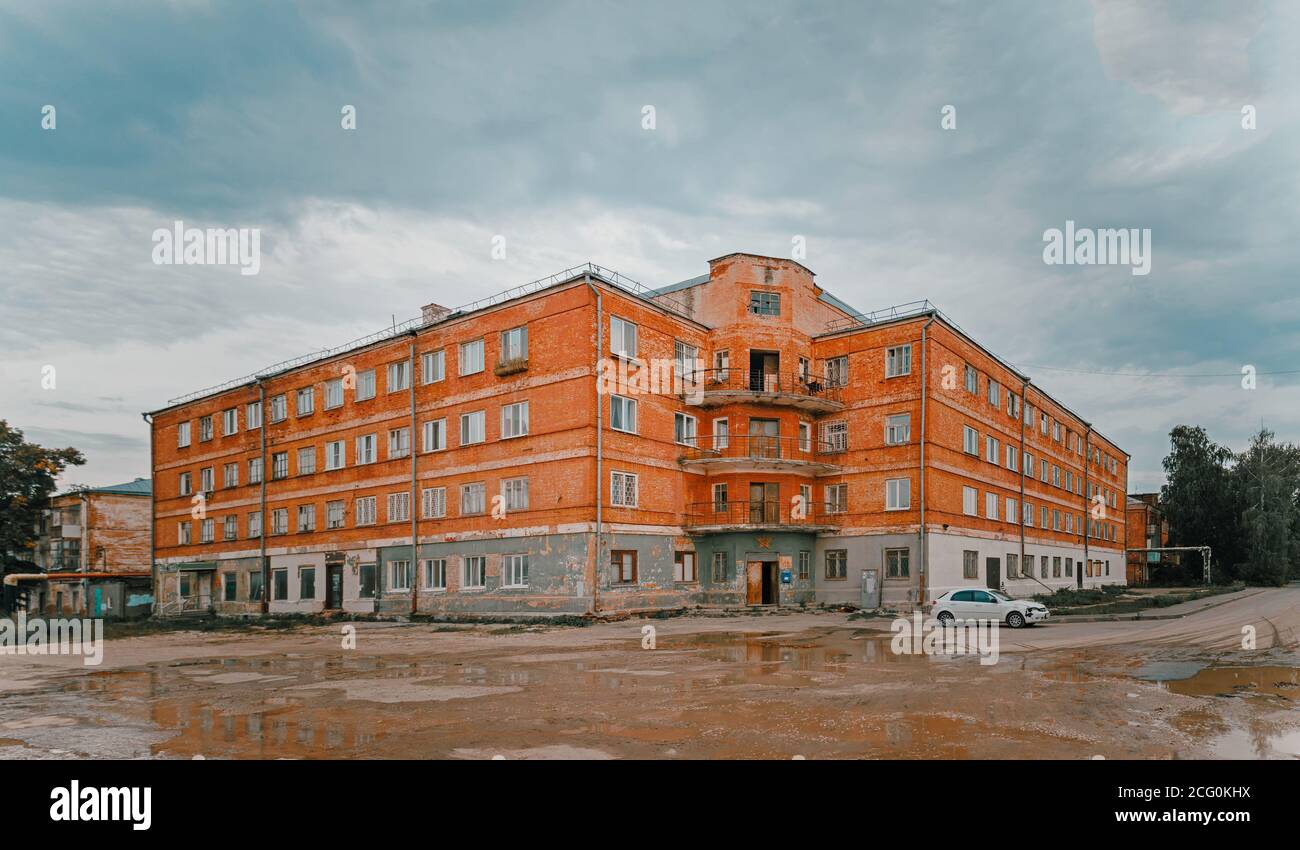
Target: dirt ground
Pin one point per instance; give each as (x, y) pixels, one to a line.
(774, 685)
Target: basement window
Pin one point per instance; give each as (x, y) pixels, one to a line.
(623, 564)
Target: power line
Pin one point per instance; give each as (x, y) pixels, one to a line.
(1026, 366)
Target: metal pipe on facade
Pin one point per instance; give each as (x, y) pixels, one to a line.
(1087, 511)
(153, 566)
(922, 572)
(261, 499)
(415, 553)
(1020, 520)
(600, 429)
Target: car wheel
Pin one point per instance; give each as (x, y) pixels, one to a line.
(1015, 619)
(945, 617)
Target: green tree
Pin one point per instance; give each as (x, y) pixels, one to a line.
(1199, 499)
(27, 478)
(1267, 482)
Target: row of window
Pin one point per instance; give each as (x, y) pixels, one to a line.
(1094, 568)
(514, 349)
(1050, 519)
(1048, 473)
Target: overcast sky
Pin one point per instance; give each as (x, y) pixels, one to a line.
(525, 120)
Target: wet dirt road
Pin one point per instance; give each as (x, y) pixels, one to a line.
(780, 685)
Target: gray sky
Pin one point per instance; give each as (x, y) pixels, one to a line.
(773, 119)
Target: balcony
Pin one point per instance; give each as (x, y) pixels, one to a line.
(713, 517)
(731, 386)
(761, 453)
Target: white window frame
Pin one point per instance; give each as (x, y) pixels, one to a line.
(970, 501)
(467, 421)
(433, 366)
(330, 453)
(898, 429)
(621, 484)
(898, 494)
(514, 571)
(620, 331)
(433, 502)
(628, 406)
(898, 361)
(434, 428)
(514, 420)
(470, 357)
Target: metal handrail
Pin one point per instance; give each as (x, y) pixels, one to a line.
(757, 512)
(759, 381)
(758, 447)
(898, 311)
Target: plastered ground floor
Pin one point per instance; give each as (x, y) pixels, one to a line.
(780, 684)
(628, 569)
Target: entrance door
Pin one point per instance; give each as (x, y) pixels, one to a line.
(754, 583)
(764, 368)
(204, 581)
(764, 438)
(993, 571)
(764, 502)
(771, 582)
(334, 586)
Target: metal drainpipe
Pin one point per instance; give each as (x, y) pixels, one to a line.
(261, 504)
(1020, 520)
(415, 554)
(1087, 511)
(600, 429)
(85, 538)
(153, 566)
(922, 573)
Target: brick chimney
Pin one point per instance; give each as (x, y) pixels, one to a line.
(434, 313)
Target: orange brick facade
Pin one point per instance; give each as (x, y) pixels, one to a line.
(571, 475)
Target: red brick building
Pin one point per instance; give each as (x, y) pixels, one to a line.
(585, 444)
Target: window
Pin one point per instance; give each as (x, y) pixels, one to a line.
(1043, 466)
(837, 563)
(622, 337)
(1042, 424)
(684, 429)
(334, 393)
(1013, 565)
(972, 379)
(435, 574)
(306, 518)
(399, 443)
(399, 376)
(475, 570)
(334, 514)
(837, 498)
(366, 448)
(280, 521)
(835, 436)
(622, 413)
(722, 433)
(1027, 514)
(720, 498)
(969, 497)
(622, 564)
(280, 584)
(837, 372)
(255, 524)
(185, 484)
(970, 564)
(335, 455)
(805, 500)
(207, 529)
(514, 345)
(307, 460)
(515, 568)
(366, 581)
(995, 394)
(898, 429)
(205, 427)
(898, 361)
(991, 505)
(279, 408)
(1043, 518)
(435, 435)
(306, 401)
(306, 582)
(365, 510)
(365, 388)
(182, 533)
(399, 575)
(229, 421)
(399, 507)
(1069, 567)
(721, 365)
(898, 494)
(719, 566)
(1043, 570)
(253, 415)
(1056, 566)
(231, 527)
(207, 479)
(623, 489)
(1056, 431)
(471, 357)
(279, 465)
(991, 449)
(1012, 454)
(472, 498)
(230, 475)
(433, 502)
(255, 471)
(684, 566)
(514, 420)
(1056, 476)
(970, 440)
(182, 435)
(230, 585)
(1013, 510)
(1013, 404)
(805, 437)
(515, 493)
(765, 303)
(433, 366)
(473, 427)
(897, 563)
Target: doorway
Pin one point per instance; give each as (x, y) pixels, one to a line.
(764, 502)
(765, 438)
(764, 369)
(333, 586)
(993, 573)
(761, 583)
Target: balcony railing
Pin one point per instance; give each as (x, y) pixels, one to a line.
(769, 383)
(766, 512)
(762, 448)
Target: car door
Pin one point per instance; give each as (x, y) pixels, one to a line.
(960, 604)
(984, 606)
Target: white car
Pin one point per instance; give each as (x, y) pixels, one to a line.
(983, 604)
